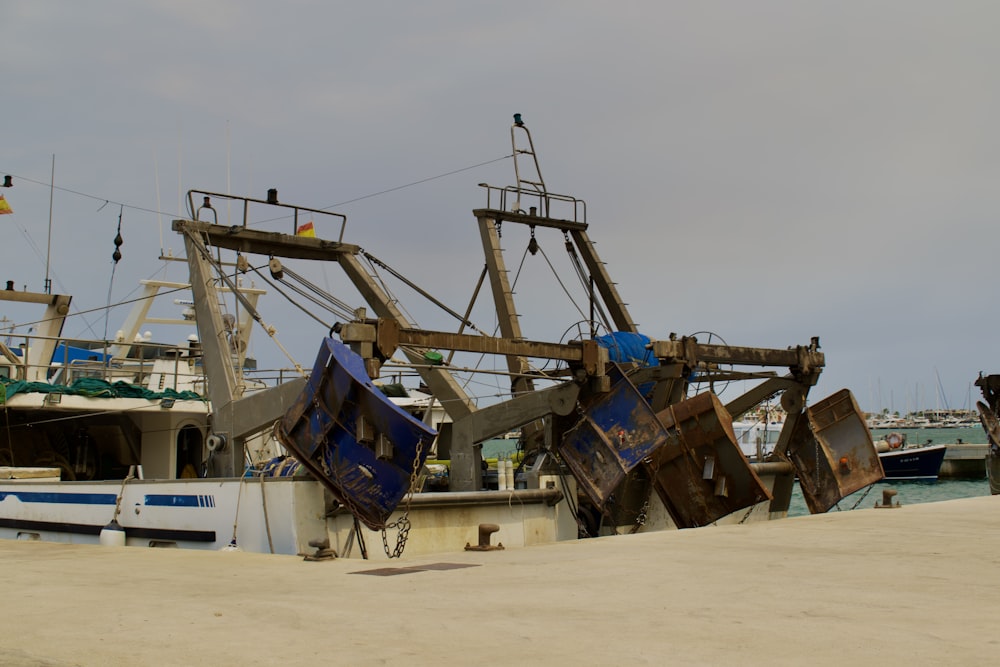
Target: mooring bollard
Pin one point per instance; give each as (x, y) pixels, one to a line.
(485, 531)
(887, 495)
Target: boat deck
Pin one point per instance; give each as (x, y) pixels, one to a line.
(878, 586)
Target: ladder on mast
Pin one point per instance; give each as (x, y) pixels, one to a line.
(526, 185)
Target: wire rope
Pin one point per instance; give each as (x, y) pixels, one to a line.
(105, 201)
(334, 303)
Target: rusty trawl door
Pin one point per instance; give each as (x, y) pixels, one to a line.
(700, 473)
(616, 431)
(834, 454)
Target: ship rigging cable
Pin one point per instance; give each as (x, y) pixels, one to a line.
(288, 298)
(271, 332)
(465, 322)
(311, 291)
(105, 201)
(581, 275)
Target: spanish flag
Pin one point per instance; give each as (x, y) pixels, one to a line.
(306, 230)
(5, 207)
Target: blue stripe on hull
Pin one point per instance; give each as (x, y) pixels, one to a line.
(59, 497)
(66, 498)
(174, 500)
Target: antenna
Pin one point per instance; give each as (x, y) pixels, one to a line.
(48, 250)
(159, 215)
(180, 186)
(229, 186)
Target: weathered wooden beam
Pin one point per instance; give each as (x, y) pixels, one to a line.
(531, 220)
(693, 352)
(259, 242)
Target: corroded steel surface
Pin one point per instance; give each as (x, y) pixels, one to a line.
(834, 454)
(616, 431)
(699, 472)
(333, 429)
(693, 351)
(688, 450)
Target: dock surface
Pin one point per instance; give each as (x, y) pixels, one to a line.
(964, 460)
(917, 584)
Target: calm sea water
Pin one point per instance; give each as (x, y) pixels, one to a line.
(907, 493)
(912, 492)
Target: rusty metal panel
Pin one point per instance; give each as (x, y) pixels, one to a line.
(700, 473)
(334, 425)
(628, 507)
(834, 454)
(616, 431)
(689, 349)
(387, 336)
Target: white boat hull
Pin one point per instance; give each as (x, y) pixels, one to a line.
(280, 515)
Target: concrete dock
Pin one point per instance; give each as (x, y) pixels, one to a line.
(964, 461)
(917, 584)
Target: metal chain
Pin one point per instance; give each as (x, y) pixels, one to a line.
(816, 441)
(640, 518)
(747, 515)
(863, 496)
(402, 524)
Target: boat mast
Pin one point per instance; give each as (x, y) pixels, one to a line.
(48, 250)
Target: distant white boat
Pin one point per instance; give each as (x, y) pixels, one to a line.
(757, 439)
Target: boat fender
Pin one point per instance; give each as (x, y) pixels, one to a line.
(112, 535)
(232, 546)
(216, 443)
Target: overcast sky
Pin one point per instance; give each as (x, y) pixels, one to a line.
(765, 171)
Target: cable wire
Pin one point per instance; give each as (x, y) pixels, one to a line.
(105, 201)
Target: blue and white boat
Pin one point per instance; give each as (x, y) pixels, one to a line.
(901, 461)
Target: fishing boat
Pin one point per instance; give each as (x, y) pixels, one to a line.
(111, 422)
(904, 461)
(195, 446)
